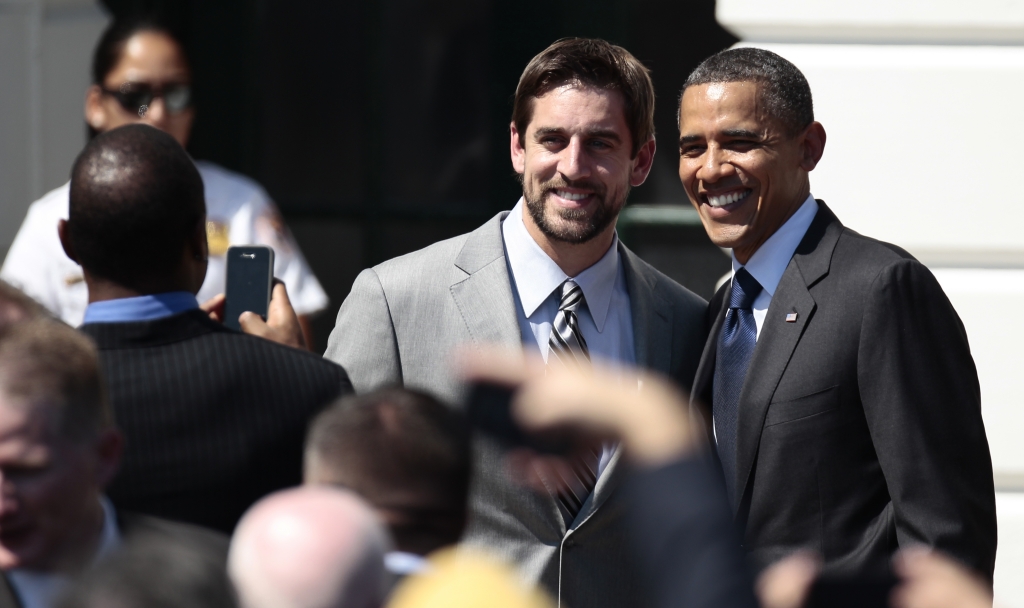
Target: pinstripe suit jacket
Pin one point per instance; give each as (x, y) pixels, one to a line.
(399, 326)
(214, 419)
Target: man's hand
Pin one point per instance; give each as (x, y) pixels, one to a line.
(931, 580)
(282, 324)
(787, 583)
(651, 420)
(215, 307)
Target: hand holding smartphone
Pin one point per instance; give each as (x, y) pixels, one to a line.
(250, 279)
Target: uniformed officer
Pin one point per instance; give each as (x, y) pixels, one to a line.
(141, 74)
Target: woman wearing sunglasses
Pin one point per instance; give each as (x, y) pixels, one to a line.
(141, 74)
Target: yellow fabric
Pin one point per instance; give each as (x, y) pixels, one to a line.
(466, 579)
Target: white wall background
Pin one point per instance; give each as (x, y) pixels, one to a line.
(923, 103)
(45, 55)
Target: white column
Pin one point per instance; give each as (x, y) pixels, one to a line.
(45, 54)
(922, 103)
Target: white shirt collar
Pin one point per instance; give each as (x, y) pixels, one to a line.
(769, 262)
(537, 275)
(37, 589)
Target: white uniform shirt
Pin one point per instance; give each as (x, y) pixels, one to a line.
(238, 212)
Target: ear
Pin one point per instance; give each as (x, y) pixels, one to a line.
(812, 146)
(518, 151)
(65, 241)
(95, 115)
(642, 163)
(109, 447)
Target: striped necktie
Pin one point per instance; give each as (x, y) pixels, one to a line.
(568, 347)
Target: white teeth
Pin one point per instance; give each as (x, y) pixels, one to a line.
(726, 199)
(570, 196)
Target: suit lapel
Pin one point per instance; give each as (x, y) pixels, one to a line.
(484, 297)
(700, 397)
(651, 315)
(779, 338)
(652, 343)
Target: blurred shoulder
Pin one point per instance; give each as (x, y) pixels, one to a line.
(52, 206)
(225, 187)
(210, 542)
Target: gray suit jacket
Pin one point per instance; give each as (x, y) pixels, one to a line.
(399, 325)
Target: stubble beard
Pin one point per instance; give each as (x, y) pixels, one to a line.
(577, 226)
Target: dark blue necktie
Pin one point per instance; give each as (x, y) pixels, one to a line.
(735, 347)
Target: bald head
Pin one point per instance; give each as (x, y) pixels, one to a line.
(136, 205)
(310, 547)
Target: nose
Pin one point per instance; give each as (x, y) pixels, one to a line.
(574, 163)
(716, 166)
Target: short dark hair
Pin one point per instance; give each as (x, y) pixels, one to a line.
(136, 200)
(110, 48)
(44, 360)
(783, 89)
(591, 62)
(405, 453)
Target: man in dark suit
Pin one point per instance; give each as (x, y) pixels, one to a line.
(58, 450)
(214, 419)
(837, 383)
(552, 278)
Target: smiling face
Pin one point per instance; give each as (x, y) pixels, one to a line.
(576, 164)
(50, 516)
(741, 169)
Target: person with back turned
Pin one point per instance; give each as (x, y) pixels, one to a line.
(552, 277)
(214, 419)
(837, 383)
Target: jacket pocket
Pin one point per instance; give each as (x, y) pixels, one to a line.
(818, 402)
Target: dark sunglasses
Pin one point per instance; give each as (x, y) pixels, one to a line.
(136, 97)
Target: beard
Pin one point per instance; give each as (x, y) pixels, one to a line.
(573, 226)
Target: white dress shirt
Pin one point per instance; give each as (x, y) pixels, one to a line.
(40, 589)
(769, 262)
(606, 320)
(237, 208)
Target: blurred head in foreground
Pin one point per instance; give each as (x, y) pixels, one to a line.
(464, 579)
(154, 571)
(137, 214)
(15, 306)
(58, 447)
(309, 548)
(405, 453)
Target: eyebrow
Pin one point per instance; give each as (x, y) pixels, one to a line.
(740, 133)
(602, 133)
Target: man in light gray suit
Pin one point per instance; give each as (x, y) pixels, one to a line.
(551, 277)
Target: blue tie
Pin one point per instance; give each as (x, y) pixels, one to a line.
(735, 347)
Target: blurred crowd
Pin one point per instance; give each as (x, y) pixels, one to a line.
(526, 416)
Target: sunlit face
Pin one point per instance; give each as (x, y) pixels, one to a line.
(576, 164)
(48, 490)
(149, 58)
(741, 170)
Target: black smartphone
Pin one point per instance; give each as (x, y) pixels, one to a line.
(834, 592)
(489, 411)
(249, 284)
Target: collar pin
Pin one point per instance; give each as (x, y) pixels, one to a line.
(791, 317)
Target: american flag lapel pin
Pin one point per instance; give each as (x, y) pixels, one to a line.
(791, 317)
